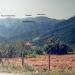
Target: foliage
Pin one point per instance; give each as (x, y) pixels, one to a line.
(56, 47)
(18, 49)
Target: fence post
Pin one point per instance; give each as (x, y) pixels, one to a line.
(49, 62)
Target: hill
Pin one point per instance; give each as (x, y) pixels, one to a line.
(64, 31)
(12, 29)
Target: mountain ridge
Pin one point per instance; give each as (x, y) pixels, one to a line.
(13, 28)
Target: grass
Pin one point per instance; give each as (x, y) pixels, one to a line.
(28, 70)
(50, 73)
(14, 69)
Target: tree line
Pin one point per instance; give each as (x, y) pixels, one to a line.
(19, 49)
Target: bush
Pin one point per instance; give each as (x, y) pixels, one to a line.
(57, 49)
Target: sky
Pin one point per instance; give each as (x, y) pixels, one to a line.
(58, 9)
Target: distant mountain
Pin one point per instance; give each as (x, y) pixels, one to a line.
(64, 31)
(12, 29)
(37, 29)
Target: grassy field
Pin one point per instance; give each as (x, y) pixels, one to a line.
(59, 65)
(28, 70)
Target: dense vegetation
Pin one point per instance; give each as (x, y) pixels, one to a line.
(20, 49)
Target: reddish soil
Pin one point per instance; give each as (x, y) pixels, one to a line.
(57, 62)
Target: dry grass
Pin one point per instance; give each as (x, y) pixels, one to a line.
(62, 63)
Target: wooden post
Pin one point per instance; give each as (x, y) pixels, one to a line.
(49, 62)
(22, 59)
(22, 53)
